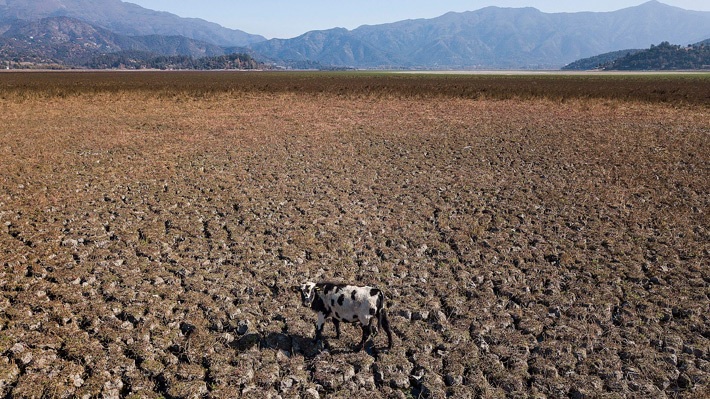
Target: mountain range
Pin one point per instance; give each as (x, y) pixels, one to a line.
(492, 37)
(125, 19)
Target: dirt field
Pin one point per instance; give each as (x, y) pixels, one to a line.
(535, 236)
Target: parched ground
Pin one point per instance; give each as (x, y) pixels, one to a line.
(529, 245)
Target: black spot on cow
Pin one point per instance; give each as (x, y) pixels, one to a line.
(373, 311)
(355, 317)
(318, 305)
(374, 292)
(352, 295)
(332, 302)
(337, 316)
(341, 299)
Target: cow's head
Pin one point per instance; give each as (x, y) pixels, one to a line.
(308, 294)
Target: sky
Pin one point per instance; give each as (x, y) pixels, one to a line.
(290, 18)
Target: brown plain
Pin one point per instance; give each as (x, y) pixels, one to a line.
(536, 236)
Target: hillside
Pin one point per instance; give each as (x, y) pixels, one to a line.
(494, 37)
(59, 40)
(125, 19)
(666, 56)
(68, 42)
(598, 61)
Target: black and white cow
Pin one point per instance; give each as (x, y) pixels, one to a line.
(349, 304)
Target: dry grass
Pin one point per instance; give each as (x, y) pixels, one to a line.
(530, 246)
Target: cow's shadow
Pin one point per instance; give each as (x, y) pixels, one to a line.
(296, 344)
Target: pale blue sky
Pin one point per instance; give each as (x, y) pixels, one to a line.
(291, 18)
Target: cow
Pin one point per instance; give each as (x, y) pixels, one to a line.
(349, 304)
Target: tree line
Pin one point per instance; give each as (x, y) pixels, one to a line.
(144, 60)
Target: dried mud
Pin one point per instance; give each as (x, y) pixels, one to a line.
(529, 247)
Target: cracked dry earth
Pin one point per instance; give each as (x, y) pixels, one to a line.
(528, 247)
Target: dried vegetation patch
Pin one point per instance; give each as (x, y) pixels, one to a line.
(529, 247)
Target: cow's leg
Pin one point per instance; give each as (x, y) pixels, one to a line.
(337, 327)
(365, 337)
(385, 324)
(319, 328)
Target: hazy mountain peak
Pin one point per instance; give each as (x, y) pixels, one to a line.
(653, 3)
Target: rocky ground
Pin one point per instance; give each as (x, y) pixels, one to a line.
(528, 247)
